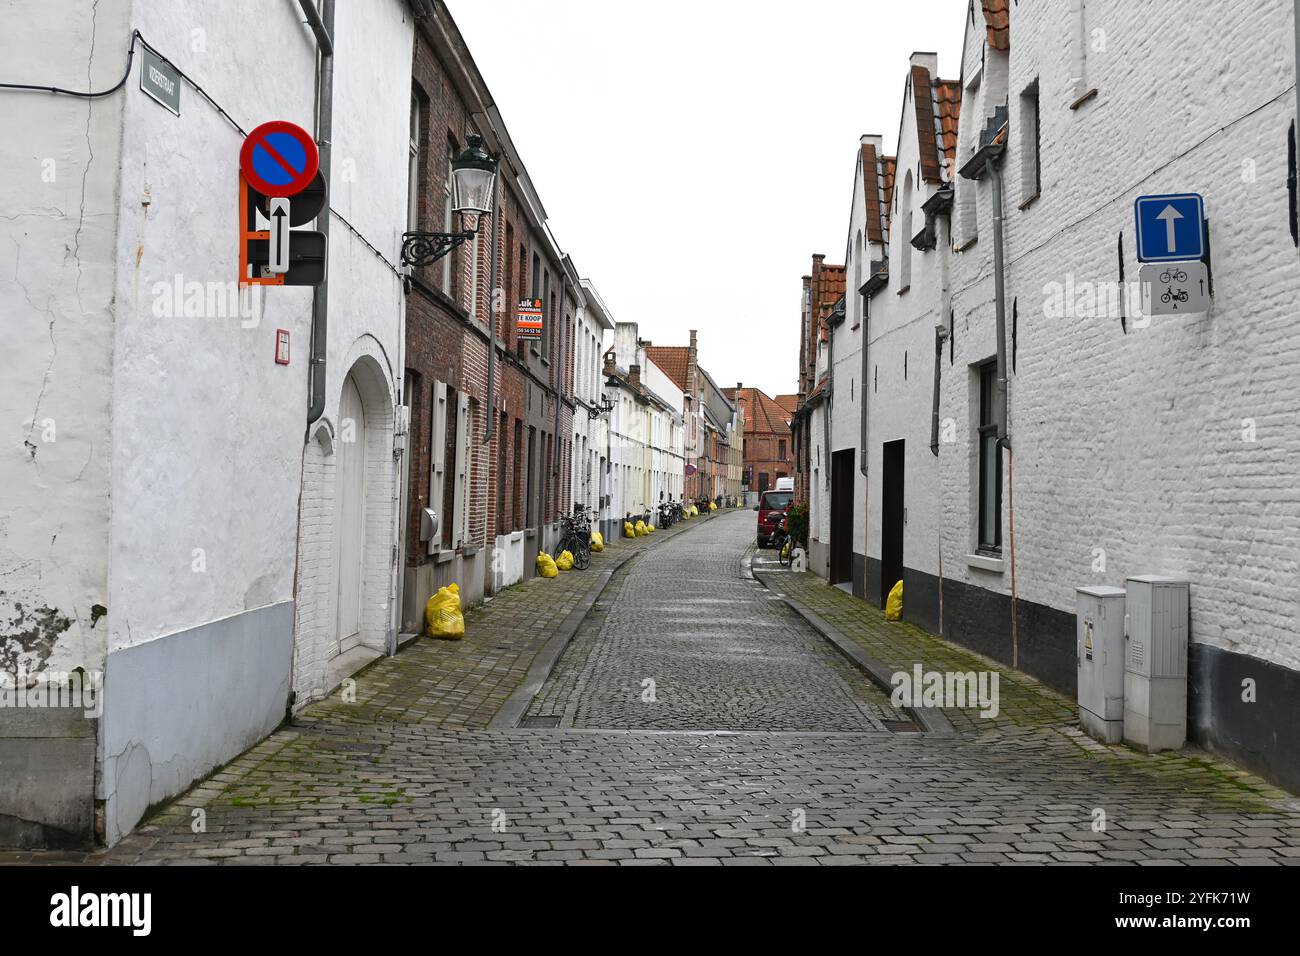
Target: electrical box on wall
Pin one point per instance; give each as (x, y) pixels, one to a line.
(1099, 644)
(1155, 663)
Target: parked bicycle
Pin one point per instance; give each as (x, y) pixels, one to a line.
(575, 537)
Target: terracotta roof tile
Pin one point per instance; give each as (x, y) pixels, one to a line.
(923, 101)
(762, 412)
(947, 101)
(673, 359)
(888, 165)
(998, 20)
(871, 193)
(789, 402)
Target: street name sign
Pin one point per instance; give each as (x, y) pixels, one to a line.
(160, 81)
(279, 159)
(1175, 288)
(1170, 227)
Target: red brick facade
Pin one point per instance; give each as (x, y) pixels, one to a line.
(448, 307)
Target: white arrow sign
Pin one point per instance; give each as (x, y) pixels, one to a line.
(278, 247)
(1169, 214)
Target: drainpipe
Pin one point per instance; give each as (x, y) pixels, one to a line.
(492, 314)
(941, 331)
(322, 26)
(1004, 439)
(830, 397)
(559, 383)
(866, 345)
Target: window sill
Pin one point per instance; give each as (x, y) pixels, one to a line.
(904, 289)
(1029, 202)
(966, 245)
(442, 557)
(984, 562)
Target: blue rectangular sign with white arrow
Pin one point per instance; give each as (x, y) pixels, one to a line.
(1170, 227)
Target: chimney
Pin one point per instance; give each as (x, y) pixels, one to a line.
(634, 375)
(928, 60)
(610, 362)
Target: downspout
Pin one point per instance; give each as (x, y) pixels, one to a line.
(322, 26)
(941, 333)
(866, 344)
(863, 414)
(830, 400)
(560, 364)
(1000, 406)
(492, 313)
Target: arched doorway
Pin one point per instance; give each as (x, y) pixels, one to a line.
(350, 496)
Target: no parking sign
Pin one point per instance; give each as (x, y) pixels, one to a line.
(279, 158)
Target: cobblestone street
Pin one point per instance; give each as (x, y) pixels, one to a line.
(763, 745)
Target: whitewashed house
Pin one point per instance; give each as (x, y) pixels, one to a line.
(591, 442)
(1127, 444)
(151, 529)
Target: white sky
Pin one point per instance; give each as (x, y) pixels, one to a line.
(692, 156)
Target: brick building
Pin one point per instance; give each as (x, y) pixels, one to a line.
(823, 287)
(493, 471)
(768, 449)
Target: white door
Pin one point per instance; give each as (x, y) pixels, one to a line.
(351, 504)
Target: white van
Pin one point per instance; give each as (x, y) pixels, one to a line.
(784, 484)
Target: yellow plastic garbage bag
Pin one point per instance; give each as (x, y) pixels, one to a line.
(565, 561)
(597, 541)
(894, 603)
(649, 529)
(628, 530)
(546, 565)
(713, 506)
(442, 615)
(640, 529)
(694, 511)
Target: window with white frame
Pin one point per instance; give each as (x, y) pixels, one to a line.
(449, 444)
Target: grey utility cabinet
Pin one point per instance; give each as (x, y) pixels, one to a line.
(1155, 664)
(1099, 643)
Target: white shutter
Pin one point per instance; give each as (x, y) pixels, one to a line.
(462, 471)
(437, 459)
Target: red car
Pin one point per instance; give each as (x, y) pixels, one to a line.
(771, 507)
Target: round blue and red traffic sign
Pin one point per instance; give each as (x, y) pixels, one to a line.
(279, 158)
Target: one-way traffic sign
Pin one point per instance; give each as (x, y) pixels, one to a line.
(1170, 227)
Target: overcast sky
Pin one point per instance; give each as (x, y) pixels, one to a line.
(692, 156)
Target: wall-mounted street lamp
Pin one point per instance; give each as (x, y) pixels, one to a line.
(604, 408)
(473, 175)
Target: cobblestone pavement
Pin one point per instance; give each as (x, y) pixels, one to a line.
(411, 774)
(683, 640)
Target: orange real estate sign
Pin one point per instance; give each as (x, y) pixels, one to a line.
(528, 324)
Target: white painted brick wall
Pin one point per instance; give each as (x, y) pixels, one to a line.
(1131, 443)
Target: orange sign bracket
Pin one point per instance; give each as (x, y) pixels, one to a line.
(245, 234)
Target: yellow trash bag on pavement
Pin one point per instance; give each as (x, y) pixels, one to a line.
(546, 565)
(597, 541)
(713, 506)
(649, 529)
(694, 511)
(565, 561)
(442, 615)
(628, 530)
(640, 528)
(894, 603)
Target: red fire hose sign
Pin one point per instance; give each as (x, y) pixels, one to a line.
(279, 158)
